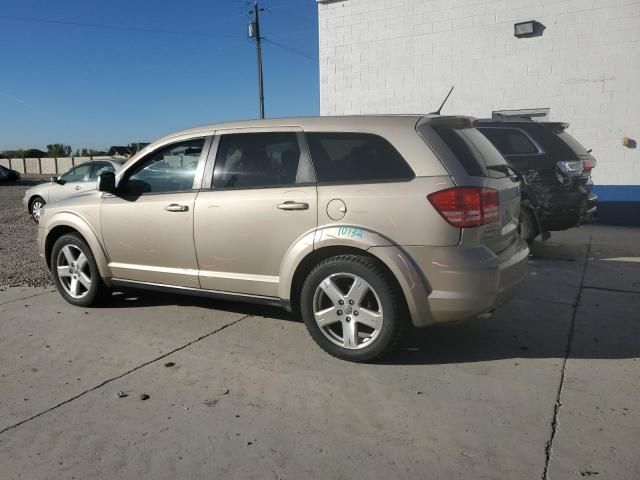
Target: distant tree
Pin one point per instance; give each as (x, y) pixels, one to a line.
(59, 150)
(89, 152)
(23, 153)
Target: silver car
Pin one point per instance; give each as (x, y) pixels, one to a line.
(74, 181)
(364, 225)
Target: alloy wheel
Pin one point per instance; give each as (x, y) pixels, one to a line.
(36, 209)
(74, 273)
(348, 310)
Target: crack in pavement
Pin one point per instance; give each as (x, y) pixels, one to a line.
(142, 365)
(618, 290)
(28, 296)
(548, 449)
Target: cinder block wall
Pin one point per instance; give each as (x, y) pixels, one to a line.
(402, 56)
(45, 165)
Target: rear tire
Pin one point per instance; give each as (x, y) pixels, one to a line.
(528, 225)
(352, 309)
(75, 272)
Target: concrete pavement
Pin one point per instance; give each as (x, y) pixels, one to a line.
(547, 387)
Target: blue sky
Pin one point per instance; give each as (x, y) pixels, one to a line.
(94, 87)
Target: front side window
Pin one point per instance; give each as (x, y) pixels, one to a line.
(250, 160)
(99, 167)
(356, 157)
(77, 174)
(510, 141)
(168, 169)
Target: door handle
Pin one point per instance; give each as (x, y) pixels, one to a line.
(174, 207)
(290, 205)
(77, 187)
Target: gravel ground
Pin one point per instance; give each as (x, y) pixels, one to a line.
(19, 262)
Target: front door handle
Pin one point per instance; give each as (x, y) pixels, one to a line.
(77, 187)
(290, 205)
(174, 207)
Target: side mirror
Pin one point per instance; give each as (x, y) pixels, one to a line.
(58, 180)
(107, 182)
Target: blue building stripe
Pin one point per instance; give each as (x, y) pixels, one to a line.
(618, 204)
(617, 193)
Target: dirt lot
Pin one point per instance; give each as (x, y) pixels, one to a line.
(546, 388)
(18, 264)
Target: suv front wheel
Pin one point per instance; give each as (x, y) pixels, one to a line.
(75, 271)
(352, 309)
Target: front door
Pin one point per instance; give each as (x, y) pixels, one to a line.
(262, 200)
(74, 182)
(147, 226)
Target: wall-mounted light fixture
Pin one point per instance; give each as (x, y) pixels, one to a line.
(530, 28)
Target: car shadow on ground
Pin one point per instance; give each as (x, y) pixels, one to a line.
(506, 335)
(145, 298)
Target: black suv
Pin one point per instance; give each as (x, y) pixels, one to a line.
(555, 170)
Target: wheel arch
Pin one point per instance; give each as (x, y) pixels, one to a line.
(391, 258)
(66, 223)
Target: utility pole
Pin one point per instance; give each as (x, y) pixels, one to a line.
(254, 32)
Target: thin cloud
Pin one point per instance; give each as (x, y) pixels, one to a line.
(17, 100)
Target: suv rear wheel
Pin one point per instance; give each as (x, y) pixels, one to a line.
(351, 309)
(528, 225)
(75, 271)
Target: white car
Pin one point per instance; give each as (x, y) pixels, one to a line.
(78, 179)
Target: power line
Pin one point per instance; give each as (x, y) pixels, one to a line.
(297, 52)
(116, 27)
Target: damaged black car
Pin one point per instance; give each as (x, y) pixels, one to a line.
(555, 170)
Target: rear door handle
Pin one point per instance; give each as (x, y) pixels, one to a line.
(290, 205)
(174, 207)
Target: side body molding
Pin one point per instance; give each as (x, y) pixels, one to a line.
(69, 219)
(414, 286)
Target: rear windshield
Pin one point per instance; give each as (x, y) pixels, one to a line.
(573, 144)
(474, 151)
(556, 143)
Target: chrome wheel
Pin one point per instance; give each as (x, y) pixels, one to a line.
(347, 310)
(73, 271)
(36, 209)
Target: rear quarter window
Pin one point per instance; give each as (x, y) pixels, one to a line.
(356, 157)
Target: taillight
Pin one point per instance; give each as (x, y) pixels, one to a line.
(572, 168)
(588, 165)
(467, 206)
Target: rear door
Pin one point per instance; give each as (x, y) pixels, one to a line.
(259, 198)
(473, 161)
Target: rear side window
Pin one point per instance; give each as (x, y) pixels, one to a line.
(473, 150)
(356, 157)
(510, 141)
(252, 160)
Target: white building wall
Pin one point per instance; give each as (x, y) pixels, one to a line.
(402, 56)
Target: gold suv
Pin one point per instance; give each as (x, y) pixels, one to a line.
(363, 224)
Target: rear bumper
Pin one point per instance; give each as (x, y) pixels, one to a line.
(465, 282)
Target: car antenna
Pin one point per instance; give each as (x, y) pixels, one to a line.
(437, 112)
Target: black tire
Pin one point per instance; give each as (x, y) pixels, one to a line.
(32, 203)
(528, 225)
(394, 318)
(98, 291)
